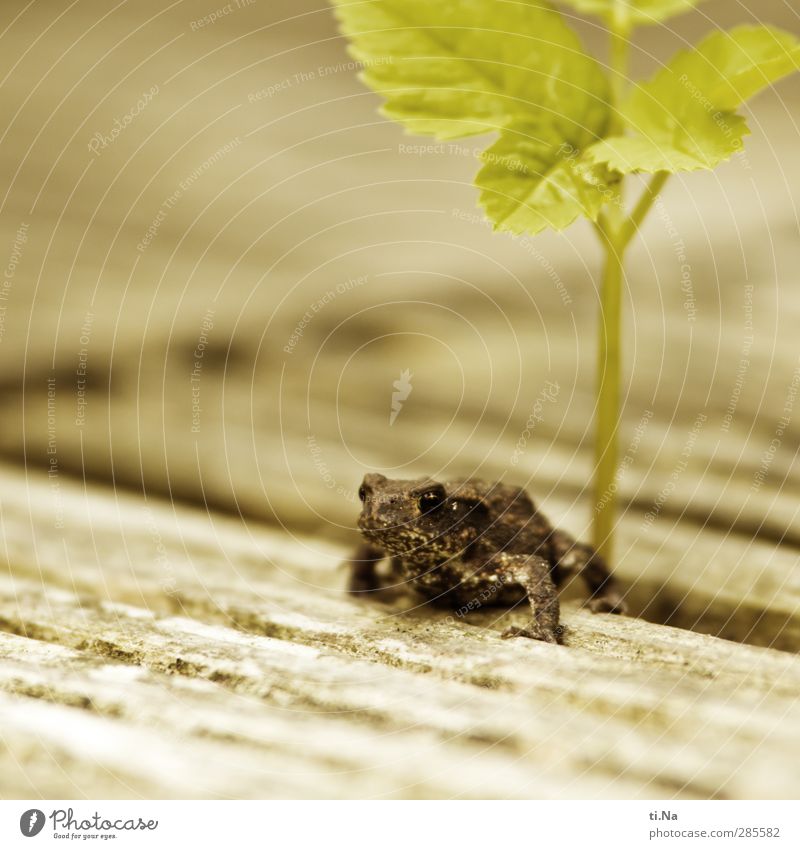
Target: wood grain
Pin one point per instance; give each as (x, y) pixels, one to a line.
(152, 360)
(231, 658)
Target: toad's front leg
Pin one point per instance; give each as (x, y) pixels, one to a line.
(533, 573)
(363, 578)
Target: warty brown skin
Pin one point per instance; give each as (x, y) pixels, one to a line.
(467, 543)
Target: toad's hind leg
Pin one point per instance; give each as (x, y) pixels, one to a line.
(570, 557)
(533, 573)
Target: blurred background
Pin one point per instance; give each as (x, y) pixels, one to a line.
(229, 281)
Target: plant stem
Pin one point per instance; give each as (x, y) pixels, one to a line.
(613, 227)
(608, 390)
(619, 65)
(631, 226)
(616, 230)
(615, 235)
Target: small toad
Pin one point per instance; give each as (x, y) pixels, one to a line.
(466, 543)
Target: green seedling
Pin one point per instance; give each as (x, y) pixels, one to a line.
(569, 129)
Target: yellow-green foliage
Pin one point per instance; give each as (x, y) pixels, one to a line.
(453, 68)
(685, 118)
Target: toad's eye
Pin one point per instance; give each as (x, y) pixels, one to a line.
(430, 500)
(362, 492)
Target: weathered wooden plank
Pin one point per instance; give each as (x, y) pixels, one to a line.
(647, 724)
(691, 576)
(670, 711)
(225, 658)
(283, 752)
(83, 755)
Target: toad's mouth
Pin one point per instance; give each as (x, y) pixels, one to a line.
(379, 533)
(394, 538)
(374, 529)
(369, 524)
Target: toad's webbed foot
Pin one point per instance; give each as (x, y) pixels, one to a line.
(533, 573)
(571, 557)
(608, 602)
(534, 632)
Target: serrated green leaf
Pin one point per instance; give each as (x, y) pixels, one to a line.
(700, 143)
(683, 119)
(634, 11)
(741, 63)
(452, 68)
(532, 179)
